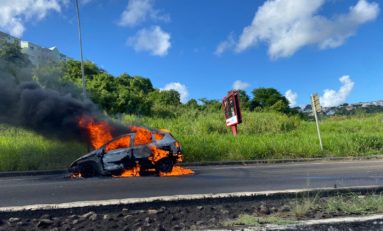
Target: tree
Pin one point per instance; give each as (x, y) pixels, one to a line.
(11, 52)
(192, 104)
(72, 71)
(166, 98)
(210, 105)
(102, 91)
(141, 83)
(13, 63)
(123, 94)
(269, 98)
(133, 94)
(244, 99)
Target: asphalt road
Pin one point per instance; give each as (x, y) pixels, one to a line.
(28, 190)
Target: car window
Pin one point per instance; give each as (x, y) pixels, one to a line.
(158, 136)
(142, 137)
(122, 142)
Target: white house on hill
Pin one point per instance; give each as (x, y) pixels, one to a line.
(36, 54)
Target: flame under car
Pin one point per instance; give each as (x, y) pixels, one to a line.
(129, 152)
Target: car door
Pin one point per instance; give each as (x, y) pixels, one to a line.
(117, 153)
(141, 151)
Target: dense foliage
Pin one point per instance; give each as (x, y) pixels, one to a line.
(136, 95)
(11, 52)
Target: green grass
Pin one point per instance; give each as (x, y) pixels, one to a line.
(308, 207)
(343, 204)
(249, 220)
(355, 204)
(302, 206)
(271, 135)
(204, 137)
(23, 150)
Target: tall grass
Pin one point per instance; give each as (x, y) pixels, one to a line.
(204, 137)
(269, 135)
(23, 150)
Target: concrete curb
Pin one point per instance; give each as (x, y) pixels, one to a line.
(32, 173)
(342, 220)
(193, 199)
(208, 163)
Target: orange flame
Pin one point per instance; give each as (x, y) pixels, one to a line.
(123, 142)
(158, 136)
(101, 132)
(177, 171)
(76, 175)
(143, 136)
(157, 154)
(135, 171)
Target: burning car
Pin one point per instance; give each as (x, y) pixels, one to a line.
(131, 154)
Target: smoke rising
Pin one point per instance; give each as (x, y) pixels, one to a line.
(24, 103)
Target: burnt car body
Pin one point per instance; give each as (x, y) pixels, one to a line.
(104, 162)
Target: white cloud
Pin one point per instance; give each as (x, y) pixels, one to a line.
(289, 25)
(180, 88)
(229, 43)
(14, 14)
(139, 11)
(153, 40)
(332, 98)
(240, 85)
(292, 97)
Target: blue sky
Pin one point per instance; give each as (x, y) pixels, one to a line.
(201, 48)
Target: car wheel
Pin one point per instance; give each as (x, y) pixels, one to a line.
(164, 165)
(128, 163)
(75, 170)
(87, 170)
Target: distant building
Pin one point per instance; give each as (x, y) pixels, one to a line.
(379, 103)
(36, 54)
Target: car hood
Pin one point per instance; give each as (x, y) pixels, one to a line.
(90, 154)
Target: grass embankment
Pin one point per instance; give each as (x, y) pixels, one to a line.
(23, 150)
(204, 137)
(271, 136)
(314, 208)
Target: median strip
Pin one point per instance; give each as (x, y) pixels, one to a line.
(195, 198)
(292, 209)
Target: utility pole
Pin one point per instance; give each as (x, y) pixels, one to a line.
(84, 96)
(81, 53)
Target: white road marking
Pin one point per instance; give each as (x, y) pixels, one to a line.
(129, 201)
(328, 221)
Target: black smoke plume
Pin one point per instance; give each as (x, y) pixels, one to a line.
(24, 103)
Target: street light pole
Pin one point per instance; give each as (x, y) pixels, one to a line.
(82, 59)
(81, 53)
